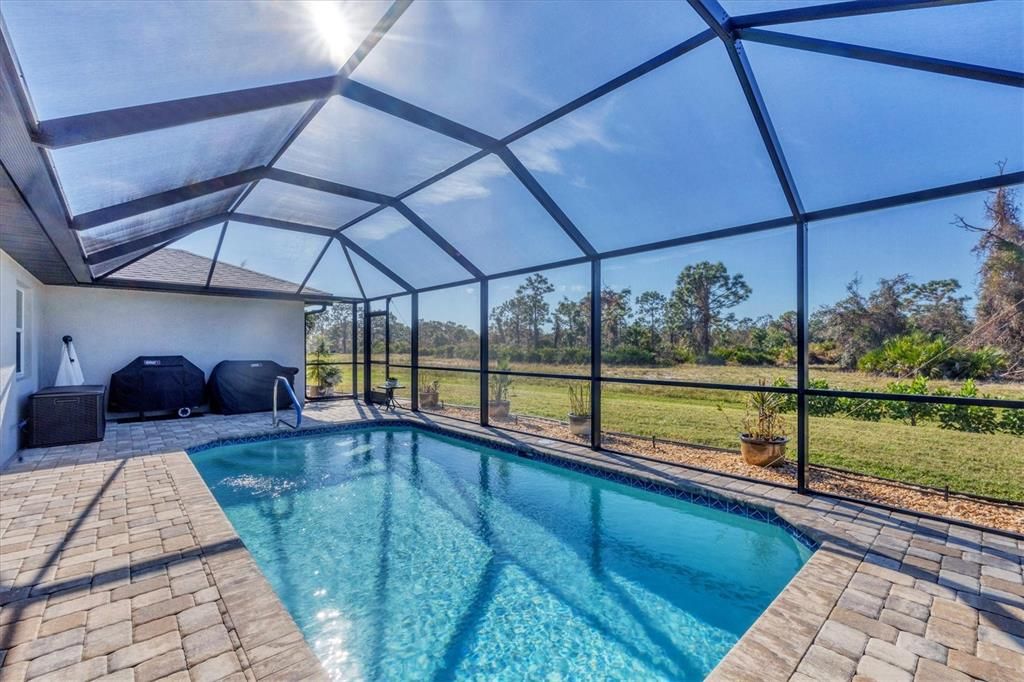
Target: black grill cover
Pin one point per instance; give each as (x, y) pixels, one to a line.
(164, 382)
(240, 386)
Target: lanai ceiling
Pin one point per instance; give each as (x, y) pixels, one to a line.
(360, 149)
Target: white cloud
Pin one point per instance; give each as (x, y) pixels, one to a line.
(541, 150)
(469, 183)
(378, 227)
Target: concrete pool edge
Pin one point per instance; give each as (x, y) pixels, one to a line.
(272, 643)
(784, 632)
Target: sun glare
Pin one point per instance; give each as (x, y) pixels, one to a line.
(334, 28)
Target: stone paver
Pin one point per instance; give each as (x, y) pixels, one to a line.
(119, 565)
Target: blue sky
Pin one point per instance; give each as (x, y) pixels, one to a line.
(675, 152)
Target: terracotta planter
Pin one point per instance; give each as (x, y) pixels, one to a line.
(429, 400)
(579, 424)
(498, 409)
(763, 453)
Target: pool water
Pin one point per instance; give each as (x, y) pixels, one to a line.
(405, 555)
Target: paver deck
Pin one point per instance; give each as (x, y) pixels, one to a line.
(116, 563)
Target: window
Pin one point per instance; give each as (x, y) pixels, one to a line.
(19, 332)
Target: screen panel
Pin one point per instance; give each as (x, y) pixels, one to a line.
(297, 204)
(355, 145)
(159, 50)
(540, 321)
(185, 261)
(400, 311)
(113, 171)
(151, 222)
(257, 257)
(488, 215)
(854, 131)
(395, 242)
(720, 311)
(984, 33)
(449, 327)
(642, 165)
(333, 275)
(528, 58)
(919, 298)
(374, 282)
(457, 394)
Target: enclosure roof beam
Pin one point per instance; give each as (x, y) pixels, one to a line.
(945, 191)
(837, 10)
(718, 19)
(888, 57)
(156, 239)
(545, 200)
(103, 125)
(281, 224)
(218, 291)
(433, 236)
(389, 104)
(326, 186)
(312, 269)
(651, 64)
(362, 253)
(109, 214)
(323, 231)
(96, 126)
(352, 266)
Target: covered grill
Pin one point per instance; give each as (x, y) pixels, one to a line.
(240, 386)
(150, 383)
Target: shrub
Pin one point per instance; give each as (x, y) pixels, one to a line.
(903, 355)
(972, 418)
(912, 413)
(917, 355)
(787, 401)
(824, 353)
(822, 406)
(1012, 421)
(683, 355)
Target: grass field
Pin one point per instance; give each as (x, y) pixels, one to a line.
(985, 464)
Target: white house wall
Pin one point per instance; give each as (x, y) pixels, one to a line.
(112, 327)
(14, 391)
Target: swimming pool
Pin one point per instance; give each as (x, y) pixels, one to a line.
(404, 554)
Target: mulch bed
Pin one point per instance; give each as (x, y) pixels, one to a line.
(983, 513)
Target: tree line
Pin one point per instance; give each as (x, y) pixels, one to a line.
(899, 328)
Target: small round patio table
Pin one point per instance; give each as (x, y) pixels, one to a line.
(389, 391)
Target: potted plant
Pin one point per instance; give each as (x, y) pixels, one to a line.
(329, 377)
(498, 405)
(579, 410)
(320, 375)
(430, 395)
(390, 382)
(763, 442)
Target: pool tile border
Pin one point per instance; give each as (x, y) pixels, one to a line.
(698, 496)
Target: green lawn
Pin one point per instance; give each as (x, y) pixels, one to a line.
(986, 464)
(724, 374)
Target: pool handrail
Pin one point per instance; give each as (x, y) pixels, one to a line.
(295, 404)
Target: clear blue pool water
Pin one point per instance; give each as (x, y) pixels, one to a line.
(405, 555)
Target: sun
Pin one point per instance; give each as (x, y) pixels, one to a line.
(334, 28)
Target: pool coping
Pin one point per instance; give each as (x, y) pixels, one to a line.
(771, 648)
